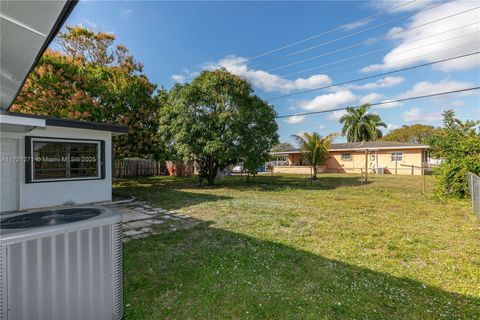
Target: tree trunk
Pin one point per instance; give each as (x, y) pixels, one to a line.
(314, 177)
(211, 181)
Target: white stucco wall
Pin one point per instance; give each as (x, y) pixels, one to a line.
(46, 194)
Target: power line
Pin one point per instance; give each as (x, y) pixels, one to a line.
(396, 62)
(388, 48)
(362, 31)
(381, 103)
(328, 31)
(343, 37)
(374, 76)
(368, 41)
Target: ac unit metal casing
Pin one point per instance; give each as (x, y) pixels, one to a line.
(67, 271)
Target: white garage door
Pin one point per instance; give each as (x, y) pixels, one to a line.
(9, 174)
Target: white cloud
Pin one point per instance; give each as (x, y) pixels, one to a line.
(466, 40)
(391, 127)
(180, 78)
(417, 115)
(405, 6)
(126, 12)
(295, 119)
(322, 127)
(389, 103)
(427, 87)
(267, 81)
(356, 24)
(90, 24)
(336, 115)
(458, 103)
(371, 97)
(329, 101)
(386, 82)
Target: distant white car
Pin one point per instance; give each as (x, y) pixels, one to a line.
(238, 169)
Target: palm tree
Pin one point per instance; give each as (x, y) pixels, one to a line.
(359, 125)
(314, 149)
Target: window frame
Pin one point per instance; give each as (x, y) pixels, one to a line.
(29, 164)
(349, 157)
(394, 156)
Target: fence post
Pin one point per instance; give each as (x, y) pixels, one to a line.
(474, 190)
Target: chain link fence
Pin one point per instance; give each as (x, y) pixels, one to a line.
(474, 188)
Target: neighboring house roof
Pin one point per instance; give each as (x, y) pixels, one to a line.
(357, 146)
(376, 145)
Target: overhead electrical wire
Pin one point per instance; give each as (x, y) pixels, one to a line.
(396, 62)
(320, 67)
(368, 41)
(328, 31)
(381, 103)
(345, 36)
(374, 76)
(361, 31)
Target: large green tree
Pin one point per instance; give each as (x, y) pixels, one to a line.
(458, 145)
(314, 149)
(88, 78)
(217, 121)
(360, 125)
(416, 133)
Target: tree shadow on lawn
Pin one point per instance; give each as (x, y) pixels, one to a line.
(167, 198)
(258, 183)
(279, 182)
(209, 273)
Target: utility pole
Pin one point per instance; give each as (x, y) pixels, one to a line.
(366, 165)
(396, 161)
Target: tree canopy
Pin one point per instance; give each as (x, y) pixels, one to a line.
(217, 121)
(416, 133)
(89, 78)
(360, 125)
(458, 145)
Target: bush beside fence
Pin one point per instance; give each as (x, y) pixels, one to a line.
(474, 188)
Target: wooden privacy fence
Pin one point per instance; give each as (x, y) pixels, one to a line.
(130, 168)
(474, 188)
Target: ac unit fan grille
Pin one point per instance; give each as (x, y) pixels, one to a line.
(49, 218)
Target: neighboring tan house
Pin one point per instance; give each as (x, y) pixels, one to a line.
(383, 157)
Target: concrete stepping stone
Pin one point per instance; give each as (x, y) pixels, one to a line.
(152, 221)
(139, 236)
(131, 233)
(138, 224)
(134, 216)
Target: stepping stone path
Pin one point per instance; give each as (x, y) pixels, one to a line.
(139, 217)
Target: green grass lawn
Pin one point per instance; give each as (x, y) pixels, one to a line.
(281, 248)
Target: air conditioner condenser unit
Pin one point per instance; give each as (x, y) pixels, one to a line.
(61, 264)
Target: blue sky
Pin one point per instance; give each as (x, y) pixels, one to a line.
(176, 40)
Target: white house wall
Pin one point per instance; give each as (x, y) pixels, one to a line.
(46, 194)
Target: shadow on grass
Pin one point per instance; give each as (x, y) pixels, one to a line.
(168, 198)
(259, 183)
(208, 273)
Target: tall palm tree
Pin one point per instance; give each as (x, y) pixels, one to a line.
(360, 125)
(314, 149)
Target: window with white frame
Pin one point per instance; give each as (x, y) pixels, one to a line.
(346, 156)
(54, 159)
(397, 156)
